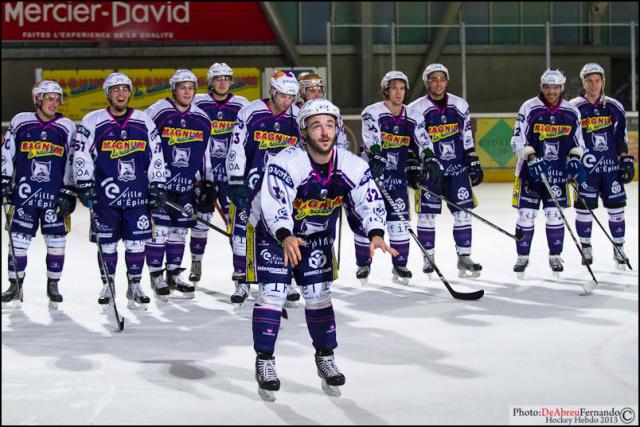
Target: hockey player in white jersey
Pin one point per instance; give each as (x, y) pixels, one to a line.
(222, 107)
(292, 232)
(37, 183)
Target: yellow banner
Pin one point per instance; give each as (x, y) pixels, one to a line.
(83, 88)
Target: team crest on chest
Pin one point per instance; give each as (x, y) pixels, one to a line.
(551, 149)
(43, 136)
(181, 157)
(600, 141)
(447, 150)
(443, 118)
(123, 134)
(396, 129)
(126, 170)
(41, 171)
(220, 115)
(183, 122)
(276, 126)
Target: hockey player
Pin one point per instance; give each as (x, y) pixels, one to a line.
(263, 128)
(548, 141)
(119, 173)
(607, 161)
(185, 131)
(37, 182)
(389, 132)
(222, 108)
(449, 126)
(295, 216)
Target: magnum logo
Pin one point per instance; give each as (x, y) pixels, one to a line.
(182, 136)
(440, 132)
(316, 207)
(268, 140)
(390, 140)
(41, 149)
(551, 131)
(220, 127)
(591, 124)
(122, 148)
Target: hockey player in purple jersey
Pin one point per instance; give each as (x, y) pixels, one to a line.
(222, 108)
(185, 132)
(119, 173)
(37, 182)
(449, 126)
(606, 160)
(295, 215)
(263, 128)
(548, 141)
(389, 132)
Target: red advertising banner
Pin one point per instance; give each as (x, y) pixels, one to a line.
(134, 21)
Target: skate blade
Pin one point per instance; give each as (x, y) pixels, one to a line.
(520, 275)
(53, 305)
(330, 390)
(104, 308)
(237, 306)
(621, 267)
(400, 280)
(589, 287)
(556, 275)
(466, 274)
(12, 305)
(290, 304)
(364, 282)
(267, 395)
(175, 294)
(133, 305)
(163, 298)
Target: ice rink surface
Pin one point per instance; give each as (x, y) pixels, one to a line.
(411, 354)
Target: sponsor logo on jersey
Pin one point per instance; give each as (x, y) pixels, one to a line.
(591, 124)
(313, 207)
(551, 131)
(281, 174)
(41, 149)
(182, 136)
(221, 127)
(121, 148)
(440, 132)
(390, 140)
(268, 140)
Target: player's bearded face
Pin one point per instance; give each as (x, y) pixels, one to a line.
(593, 84)
(50, 103)
(321, 133)
(396, 92)
(552, 93)
(437, 84)
(119, 97)
(184, 93)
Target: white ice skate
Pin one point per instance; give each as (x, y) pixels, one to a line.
(52, 292)
(180, 287)
(267, 377)
(555, 262)
(331, 377)
(521, 266)
(467, 268)
(401, 275)
(293, 296)
(239, 297)
(136, 297)
(362, 274)
(12, 297)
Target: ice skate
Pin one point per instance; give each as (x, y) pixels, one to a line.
(177, 283)
(267, 377)
(12, 297)
(135, 295)
(427, 267)
(238, 277)
(401, 275)
(293, 296)
(363, 273)
(159, 286)
(521, 265)
(105, 294)
(240, 295)
(196, 272)
(467, 268)
(55, 297)
(555, 262)
(619, 257)
(587, 253)
(329, 373)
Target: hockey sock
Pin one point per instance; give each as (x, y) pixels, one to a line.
(21, 243)
(110, 259)
(239, 262)
(266, 324)
(617, 224)
(427, 230)
(555, 230)
(399, 240)
(175, 250)
(462, 232)
(525, 223)
(134, 257)
(322, 327)
(583, 225)
(363, 253)
(55, 262)
(197, 243)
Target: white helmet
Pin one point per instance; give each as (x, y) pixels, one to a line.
(183, 76)
(283, 82)
(219, 69)
(591, 68)
(315, 107)
(552, 77)
(394, 75)
(431, 68)
(45, 86)
(115, 79)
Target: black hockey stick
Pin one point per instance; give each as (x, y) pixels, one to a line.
(194, 216)
(584, 203)
(457, 295)
(103, 264)
(8, 219)
(519, 233)
(588, 287)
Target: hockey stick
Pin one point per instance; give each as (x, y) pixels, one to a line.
(519, 233)
(103, 264)
(196, 217)
(626, 260)
(590, 286)
(13, 249)
(457, 295)
(219, 210)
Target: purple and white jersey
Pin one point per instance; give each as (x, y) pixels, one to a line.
(449, 129)
(122, 156)
(37, 155)
(223, 117)
(186, 144)
(295, 196)
(550, 133)
(604, 131)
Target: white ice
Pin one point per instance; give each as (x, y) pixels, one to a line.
(411, 354)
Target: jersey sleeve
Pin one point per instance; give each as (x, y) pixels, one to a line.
(577, 141)
(366, 200)
(519, 143)
(68, 167)
(421, 137)
(620, 131)
(370, 129)
(9, 150)
(156, 171)
(277, 194)
(467, 134)
(236, 156)
(83, 150)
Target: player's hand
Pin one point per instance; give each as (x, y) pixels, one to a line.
(157, 195)
(627, 169)
(65, 202)
(291, 246)
(474, 170)
(377, 162)
(576, 172)
(378, 242)
(5, 190)
(536, 168)
(87, 192)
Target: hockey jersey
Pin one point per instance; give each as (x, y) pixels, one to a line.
(223, 117)
(185, 142)
(123, 157)
(37, 155)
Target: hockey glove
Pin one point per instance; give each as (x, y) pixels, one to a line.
(205, 194)
(536, 168)
(6, 190)
(576, 172)
(412, 169)
(157, 195)
(377, 162)
(627, 170)
(65, 202)
(238, 191)
(86, 191)
(474, 170)
(432, 173)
